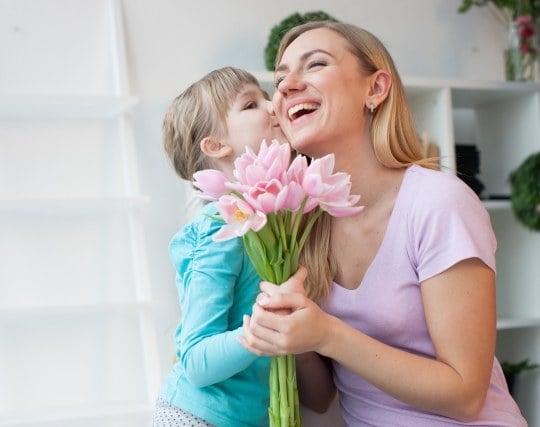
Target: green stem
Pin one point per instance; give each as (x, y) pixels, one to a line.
(291, 385)
(284, 408)
(296, 224)
(308, 228)
(273, 410)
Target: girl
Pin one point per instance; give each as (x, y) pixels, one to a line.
(215, 381)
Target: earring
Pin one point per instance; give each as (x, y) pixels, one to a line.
(371, 107)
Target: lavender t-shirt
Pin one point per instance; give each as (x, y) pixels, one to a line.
(436, 222)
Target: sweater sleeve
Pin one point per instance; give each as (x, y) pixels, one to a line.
(207, 273)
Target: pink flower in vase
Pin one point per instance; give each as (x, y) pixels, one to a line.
(526, 34)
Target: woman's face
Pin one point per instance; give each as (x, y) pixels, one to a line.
(320, 94)
(250, 120)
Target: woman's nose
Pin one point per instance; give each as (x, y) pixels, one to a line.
(290, 82)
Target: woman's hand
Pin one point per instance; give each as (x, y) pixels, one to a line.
(284, 320)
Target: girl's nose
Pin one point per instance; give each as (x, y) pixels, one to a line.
(269, 108)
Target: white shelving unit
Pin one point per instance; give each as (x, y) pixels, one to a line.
(77, 337)
(503, 120)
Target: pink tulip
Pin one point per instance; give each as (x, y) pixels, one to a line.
(211, 182)
(268, 196)
(239, 218)
(295, 197)
(270, 163)
(331, 191)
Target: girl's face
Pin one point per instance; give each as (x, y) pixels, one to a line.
(321, 94)
(250, 120)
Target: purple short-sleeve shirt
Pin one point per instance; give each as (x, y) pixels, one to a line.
(436, 222)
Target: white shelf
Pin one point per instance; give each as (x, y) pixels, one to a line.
(493, 205)
(507, 322)
(74, 309)
(465, 93)
(71, 204)
(65, 107)
(66, 414)
(75, 267)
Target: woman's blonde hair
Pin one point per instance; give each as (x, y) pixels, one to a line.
(393, 135)
(199, 112)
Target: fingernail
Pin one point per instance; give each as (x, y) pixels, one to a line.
(263, 300)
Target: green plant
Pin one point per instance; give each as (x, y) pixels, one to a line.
(511, 370)
(515, 368)
(279, 30)
(514, 7)
(525, 192)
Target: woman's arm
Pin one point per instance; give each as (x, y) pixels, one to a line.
(316, 386)
(460, 312)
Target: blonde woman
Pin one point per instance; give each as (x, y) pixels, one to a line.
(405, 289)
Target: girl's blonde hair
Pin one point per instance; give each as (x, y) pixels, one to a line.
(199, 112)
(393, 135)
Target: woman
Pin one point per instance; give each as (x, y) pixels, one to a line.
(407, 311)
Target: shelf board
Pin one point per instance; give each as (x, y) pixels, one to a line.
(465, 93)
(65, 107)
(493, 205)
(514, 322)
(70, 204)
(65, 414)
(73, 309)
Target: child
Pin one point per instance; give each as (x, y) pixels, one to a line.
(216, 381)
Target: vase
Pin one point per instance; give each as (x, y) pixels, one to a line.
(520, 57)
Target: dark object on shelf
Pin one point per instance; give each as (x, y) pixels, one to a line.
(511, 370)
(279, 30)
(468, 166)
(525, 186)
(499, 197)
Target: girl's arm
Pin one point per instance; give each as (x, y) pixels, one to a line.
(207, 275)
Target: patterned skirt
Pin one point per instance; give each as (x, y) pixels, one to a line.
(167, 415)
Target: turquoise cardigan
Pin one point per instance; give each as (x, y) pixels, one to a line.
(215, 378)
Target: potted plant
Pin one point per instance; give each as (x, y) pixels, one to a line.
(510, 8)
(521, 18)
(525, 192)
(511, 371)
(279, 30)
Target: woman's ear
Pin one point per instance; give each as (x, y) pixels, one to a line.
(380, 84)
(214, 148)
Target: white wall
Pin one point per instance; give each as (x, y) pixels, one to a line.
(173, 42)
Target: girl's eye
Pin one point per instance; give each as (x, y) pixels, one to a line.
(250, 105)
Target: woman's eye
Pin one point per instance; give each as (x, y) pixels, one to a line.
(278, 80)
(318, 63)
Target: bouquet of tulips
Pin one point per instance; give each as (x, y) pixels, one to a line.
(264, 205)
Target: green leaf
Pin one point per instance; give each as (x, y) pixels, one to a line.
(525, 192)
(278, 31)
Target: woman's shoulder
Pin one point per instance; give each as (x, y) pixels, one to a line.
(437, 188)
